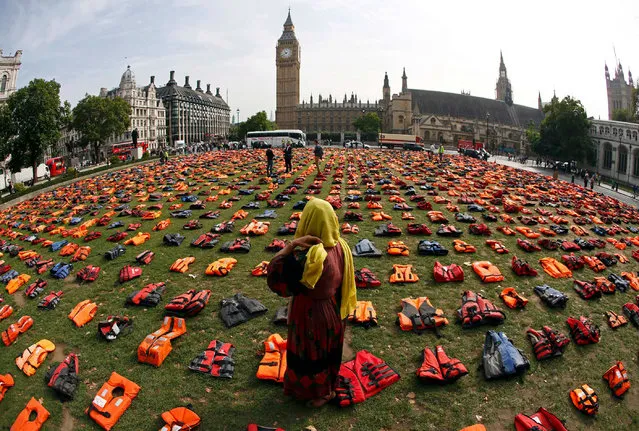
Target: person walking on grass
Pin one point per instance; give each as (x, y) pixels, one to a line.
(319, 154)
(441, 152)
(634, 191)
(586, 176)
(288, 157)
(269, 162)
(592, 182)
(316, 270)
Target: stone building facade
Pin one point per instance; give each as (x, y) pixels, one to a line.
(147, 111)
(194, 115)
(619, 91)
(438, 116)
(616, 149)
(9, 68)
(315, 116)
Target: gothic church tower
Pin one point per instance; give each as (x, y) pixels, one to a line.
(287, 63)
(503, 91)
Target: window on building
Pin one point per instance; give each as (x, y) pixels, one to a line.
(601, 130)
(623, 160)
(628, 134)
(607, 161)
(433, 121)
(635, 163)
(607, 130)
(3, 83)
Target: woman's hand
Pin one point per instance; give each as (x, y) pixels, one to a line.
(306, 241)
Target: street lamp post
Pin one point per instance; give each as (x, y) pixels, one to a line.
(238, 115)
(487, 118)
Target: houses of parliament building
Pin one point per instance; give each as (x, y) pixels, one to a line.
(433, 115)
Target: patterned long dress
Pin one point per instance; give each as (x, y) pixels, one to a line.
(315, 332)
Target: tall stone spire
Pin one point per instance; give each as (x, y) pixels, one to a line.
(404, 81)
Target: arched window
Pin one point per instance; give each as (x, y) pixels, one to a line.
(3, 83)
(628, 134)
(635, 163)
(601, 130)
(622, 163)
(607, 156)
(607, 129)
(433, 121)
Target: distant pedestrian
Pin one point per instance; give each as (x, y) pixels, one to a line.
(634, 190)
(598, 179)
(319, 154)
(269, 161)
(10, 186)
(288, 157)
(592, 182)
(572, 179)
(441, 152)
(586, 176)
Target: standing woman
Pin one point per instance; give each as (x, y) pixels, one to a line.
(321, 280)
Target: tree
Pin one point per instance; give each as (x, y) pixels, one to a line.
(257, 122)
(368, 123)
(98, 118)
(565, 132)
(623, 115)
(66, 122)
(532, 135)
(35, 115)
(7, 131)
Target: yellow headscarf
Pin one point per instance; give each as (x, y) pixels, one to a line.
(319, 219)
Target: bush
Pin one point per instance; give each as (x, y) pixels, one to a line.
(72, 172)
(114, 160)
(145, 155)
(20, 188)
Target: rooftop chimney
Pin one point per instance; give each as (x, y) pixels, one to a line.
(217, 92)
(152, 79)
(198, 88)
(208, 89)
(172, 78)
(186, 82)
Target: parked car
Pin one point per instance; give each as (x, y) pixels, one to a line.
(477, 154)
(260, 144)
(413, 147)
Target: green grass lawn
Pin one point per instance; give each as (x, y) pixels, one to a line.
(232, 404)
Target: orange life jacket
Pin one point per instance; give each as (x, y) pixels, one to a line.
(69, 249)
(83, 312)
(463, 246)
(6, 382)
(419, 314)
(17, 283)
(407, 216)
(81, 254)
(617, 378)
(476, 427)
(372, 205)
(364, 314)
(10, 334)
(621, 258)
(594, 263)
(403, 274)
(616, 320)
(397, 248)
(106, 408)
(27, 254)
(255, 228)
(33, 356)
(239, 215)
(437, 217)
(585, 399)
(273, 364)
(497, 246)
(554, 268)
(527, 232)
(547, 232)
(578, 230)
(488, 272)
(260, 269)
(180, 419)
(139, 239)
(632, 279)
(513, 299)
(182, 265)
(156, 346)
(22, 422)
(221, 267)
(161, 225)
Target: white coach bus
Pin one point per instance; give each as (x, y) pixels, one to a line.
(275, 138)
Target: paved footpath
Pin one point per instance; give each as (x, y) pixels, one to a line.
(622, 196)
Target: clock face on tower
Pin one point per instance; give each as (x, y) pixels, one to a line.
(286, 53)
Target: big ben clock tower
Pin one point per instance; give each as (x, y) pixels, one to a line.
(287, 62)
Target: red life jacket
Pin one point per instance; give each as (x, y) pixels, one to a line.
(89, 273)
(476, 310)
(363, 377)
(522, 268)
(542, 420)
(180, 419)
(188, 304)
(452, 272)
(216, 360)
(437, 367)
(129, 273)
(547, 343)
(617, 379)
(583, 330)
(364, 278)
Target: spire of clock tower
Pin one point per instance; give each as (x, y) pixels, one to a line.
(289, 28)
(287, 64)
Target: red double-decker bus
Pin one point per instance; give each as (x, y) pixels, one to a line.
(124, 149)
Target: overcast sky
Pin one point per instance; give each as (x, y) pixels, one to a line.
(347, 45)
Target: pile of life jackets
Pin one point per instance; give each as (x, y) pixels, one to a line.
(106, 408)
(542, 420)
(551, 297)
(547, 343)
(437, 367)
(364, 278)
(156, 346)
(10, 334)
(33, 356)
(149, 296)
(362, 378)
(443, 274)
(617, 379)
(24, 422)
(83, 312)
(180, 419)
(364, 314)
(585, 399)
(487, 272)
(476, 310)
(63, 377)
(403, 274)
(188, 304)
(239, 309)
(216, 360)
(512, 299)
(501, 358)
(583, 330)
(273, 363)
(181, 265)
(419, 315)
(221, 267)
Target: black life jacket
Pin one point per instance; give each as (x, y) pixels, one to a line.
(281, 316)
(116, 251)
(216, 360)
(239, 245)
(632, 313)
(621, 283)
(431, 248)
(63, 377)
(239, 309)
(149, 296)
(173, 239)
(188, 304)
(552, 297)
